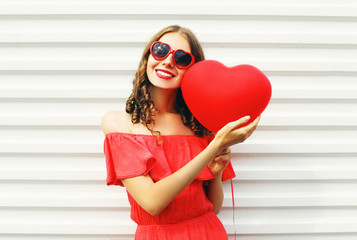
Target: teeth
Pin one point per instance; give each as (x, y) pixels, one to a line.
(164, 74)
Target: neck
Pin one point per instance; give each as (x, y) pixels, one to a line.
(164, 99)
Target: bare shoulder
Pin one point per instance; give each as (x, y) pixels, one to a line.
(116, 121)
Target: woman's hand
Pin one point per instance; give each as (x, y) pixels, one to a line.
(220, 162)
(230, 134)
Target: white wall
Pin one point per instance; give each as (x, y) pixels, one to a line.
(64, 63)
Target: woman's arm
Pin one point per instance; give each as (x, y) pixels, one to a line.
(215, 188)
(155, 196)
(215, 193)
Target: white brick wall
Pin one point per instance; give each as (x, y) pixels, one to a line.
(64, 63)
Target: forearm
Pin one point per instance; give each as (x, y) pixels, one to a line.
(154, 197)
(215, 193)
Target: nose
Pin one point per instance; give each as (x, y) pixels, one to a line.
(169, 61)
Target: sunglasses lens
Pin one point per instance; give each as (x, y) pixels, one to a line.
(182, 59)
(160, 50)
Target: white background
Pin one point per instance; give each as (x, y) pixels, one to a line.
(64, 63)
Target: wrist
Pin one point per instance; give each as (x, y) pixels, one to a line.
(218, 177)
(215, 146)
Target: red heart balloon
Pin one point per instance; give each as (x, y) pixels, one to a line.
(217, 94)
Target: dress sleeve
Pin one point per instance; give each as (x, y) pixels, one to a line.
(126, 157)
(228, 172)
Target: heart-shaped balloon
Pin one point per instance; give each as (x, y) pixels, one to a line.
(216, 94)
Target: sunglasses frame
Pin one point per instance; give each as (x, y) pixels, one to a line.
(173, 54)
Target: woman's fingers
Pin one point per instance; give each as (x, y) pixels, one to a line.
(251, 126)
(239, 122)
(256, 121)
(245, 132)
(232, 134)
(225, 151)
(249, 129)
(235, 124)
(221, 160)
(242, 121)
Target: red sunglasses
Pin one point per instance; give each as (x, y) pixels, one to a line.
(182, 59)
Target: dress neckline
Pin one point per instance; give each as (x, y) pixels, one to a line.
(147, 135)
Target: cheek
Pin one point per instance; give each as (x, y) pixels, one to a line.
(151, 62)
(149, 66)
(181, 72)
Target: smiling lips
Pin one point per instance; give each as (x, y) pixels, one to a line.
(164, 74)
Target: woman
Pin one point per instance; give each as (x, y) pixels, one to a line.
(171, 166)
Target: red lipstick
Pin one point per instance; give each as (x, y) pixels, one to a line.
(161, 73)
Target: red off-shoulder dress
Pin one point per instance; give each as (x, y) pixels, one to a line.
(189, 215)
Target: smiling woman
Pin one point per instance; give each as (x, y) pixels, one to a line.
(140, 104)
(164, 66)
(171, 166)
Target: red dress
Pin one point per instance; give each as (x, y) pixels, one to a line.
(189, 215)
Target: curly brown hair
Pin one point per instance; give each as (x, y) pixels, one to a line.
(140, 106)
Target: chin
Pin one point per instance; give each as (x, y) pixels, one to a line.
(165, 84)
